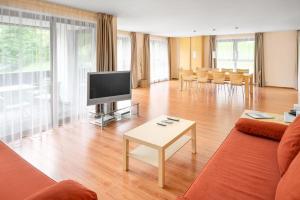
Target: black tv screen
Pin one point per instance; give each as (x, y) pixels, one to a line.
(108, 86)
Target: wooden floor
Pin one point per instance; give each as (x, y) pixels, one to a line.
(92, 156)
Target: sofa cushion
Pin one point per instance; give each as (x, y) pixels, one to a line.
(289, 185)
(289, 145)
(244, 167)
(268, 130)
(19, 179)
(64, 190)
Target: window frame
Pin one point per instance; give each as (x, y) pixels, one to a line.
(235, 59)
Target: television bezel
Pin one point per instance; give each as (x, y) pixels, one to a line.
(109, 99)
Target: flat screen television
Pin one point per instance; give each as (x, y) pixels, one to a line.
(105, 87)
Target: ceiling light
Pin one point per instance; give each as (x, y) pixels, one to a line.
(236, 28)
(194, 31)
(213, 29)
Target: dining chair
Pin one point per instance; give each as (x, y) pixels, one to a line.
(187, 77)
(226, 70)
(219, 80)
(202, 78)
(236, 80)
(243, 71)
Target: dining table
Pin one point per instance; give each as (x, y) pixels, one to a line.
(248, 80)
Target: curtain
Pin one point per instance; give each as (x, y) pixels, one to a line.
(146, 56)
(298, 61)
(124, 53)
(259, 60)
(105, 43)
(169, 57)
(212, 51)
(43, 65)
(134, 67)
(174, 58)
(106, 55)
(75, 57)
(159, 60)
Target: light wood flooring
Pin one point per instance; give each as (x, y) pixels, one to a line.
(84, 152)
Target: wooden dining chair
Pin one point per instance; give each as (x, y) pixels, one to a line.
(188, 77)
(226, 70)
(243, 71)
(236, 80)
(219, 80)
(202, 78)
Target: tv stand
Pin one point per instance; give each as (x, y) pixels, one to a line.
(124, 112)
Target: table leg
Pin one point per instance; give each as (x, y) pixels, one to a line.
(125, 154)
(161, 168)
(251, 85)
(247, 88)
(181, 83)
(194, 146)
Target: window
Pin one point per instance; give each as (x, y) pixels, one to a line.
(159, 60)
(43, 65)
(235, 53)
(124, 53)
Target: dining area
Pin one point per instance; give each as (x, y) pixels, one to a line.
(224, 79)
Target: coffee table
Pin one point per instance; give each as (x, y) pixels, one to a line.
(277, 118)
(158, 143)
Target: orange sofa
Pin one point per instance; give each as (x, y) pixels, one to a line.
(245, 167)
(19, 180)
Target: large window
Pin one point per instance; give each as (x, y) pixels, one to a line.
(235, 53)
(159, 60)
(124, 53)
(44, 62)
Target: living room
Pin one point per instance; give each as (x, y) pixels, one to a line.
(149, 100)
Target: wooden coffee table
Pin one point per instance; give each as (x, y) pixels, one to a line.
(158, 143)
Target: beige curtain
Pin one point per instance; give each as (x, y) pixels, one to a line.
(298, 61)
(174, 53)
(146, 55)
(106, 52)
(169, 57)
(106, 49)
(134, 66)
(212, 51)
(259, 60)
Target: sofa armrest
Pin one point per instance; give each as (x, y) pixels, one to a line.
(64, 190)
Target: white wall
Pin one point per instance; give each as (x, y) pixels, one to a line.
(280, 49)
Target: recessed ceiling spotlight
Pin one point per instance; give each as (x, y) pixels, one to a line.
(213, 29)
(236, 28)
(194, 31)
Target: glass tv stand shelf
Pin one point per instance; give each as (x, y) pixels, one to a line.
(120, 113)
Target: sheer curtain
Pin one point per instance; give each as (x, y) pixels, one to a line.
(43, 66)
(159, 60)
(123, 52)
(74, 58)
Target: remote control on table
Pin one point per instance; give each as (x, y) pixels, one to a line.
(173, 119)
(160, 124)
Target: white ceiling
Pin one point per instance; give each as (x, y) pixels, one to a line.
(181, 17)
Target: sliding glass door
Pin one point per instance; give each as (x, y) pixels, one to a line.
(43, 65)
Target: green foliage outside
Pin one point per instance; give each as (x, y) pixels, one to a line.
(24, 49)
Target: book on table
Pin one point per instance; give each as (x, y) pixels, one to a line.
(259, 115)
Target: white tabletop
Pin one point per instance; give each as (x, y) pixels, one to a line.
(159, 136)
